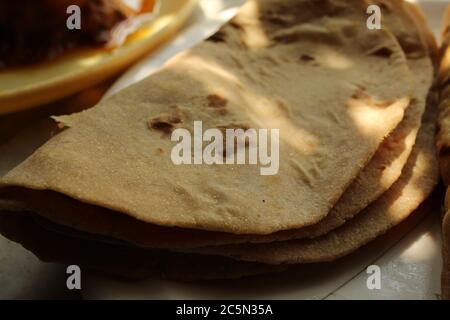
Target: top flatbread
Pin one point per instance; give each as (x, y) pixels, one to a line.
(333, 108)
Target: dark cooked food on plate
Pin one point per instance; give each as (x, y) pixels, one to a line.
(34, 31)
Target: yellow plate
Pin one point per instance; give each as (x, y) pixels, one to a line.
(22, 88)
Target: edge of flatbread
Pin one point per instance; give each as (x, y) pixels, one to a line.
(418, 180)
(443, 145)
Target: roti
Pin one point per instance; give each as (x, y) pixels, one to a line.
(123, 261)
(381, 172)
(418, 180)
(116, 155)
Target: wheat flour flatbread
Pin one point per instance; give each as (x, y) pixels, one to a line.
(133, 263)
(418, 179)
(374, 179)
(123, 261)
(109, 157)
(172, 263)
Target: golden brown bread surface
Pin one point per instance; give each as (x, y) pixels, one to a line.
(109, 157)
(380, 173)
(103, 145)
(416, 183)
(418, 180)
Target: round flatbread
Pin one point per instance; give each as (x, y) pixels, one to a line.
(117, 154)
(418, 180)
(380, 173)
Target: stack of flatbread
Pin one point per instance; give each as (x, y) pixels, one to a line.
(356, 116)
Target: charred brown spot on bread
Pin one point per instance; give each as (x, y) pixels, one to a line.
(382, 52)
(219, 36)
(307, 58)
(360, 94)
(234, 126)
(222, 111)
(216, 101)
(166, 122)
(162, 126)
